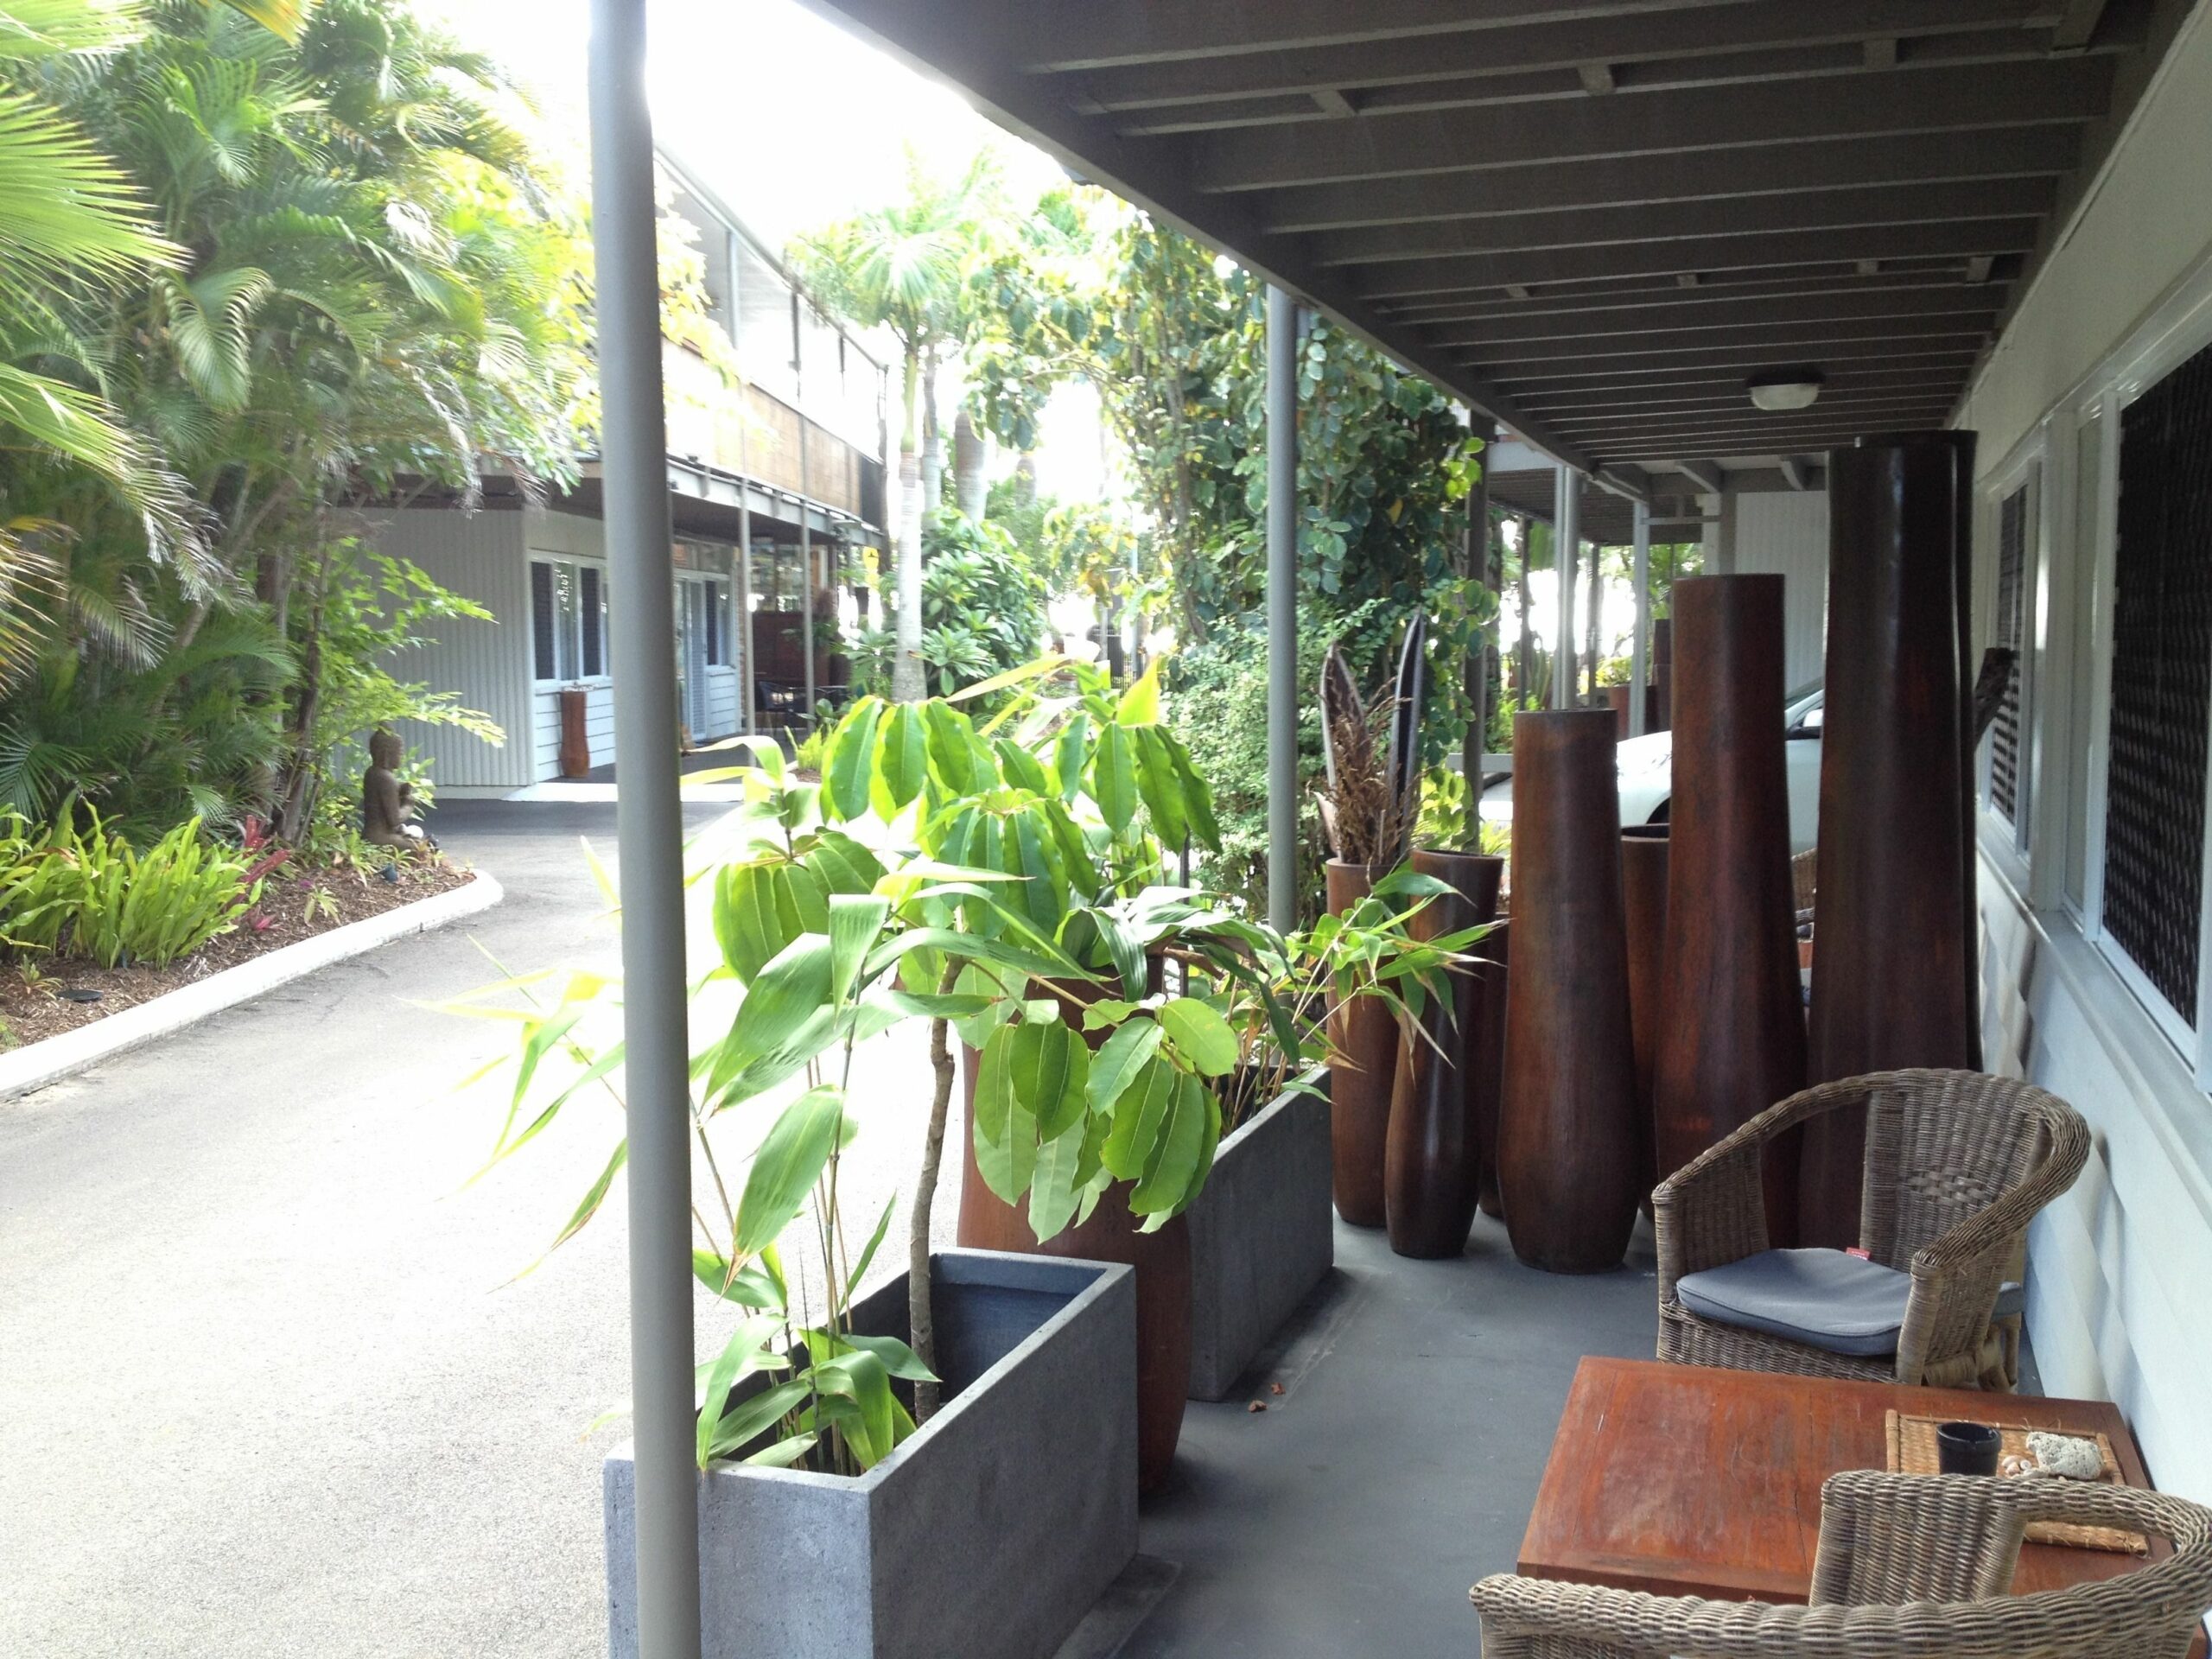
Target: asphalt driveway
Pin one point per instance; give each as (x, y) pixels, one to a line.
(268, 1383)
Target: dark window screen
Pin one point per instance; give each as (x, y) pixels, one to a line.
(2012, 597)
(542, 620)
(588, 596)
(713, 597)
(2161, 672)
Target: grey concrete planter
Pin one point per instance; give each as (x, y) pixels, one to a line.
(1261, 1237)
(989, 1533)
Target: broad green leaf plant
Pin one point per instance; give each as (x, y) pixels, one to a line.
(1002, 880)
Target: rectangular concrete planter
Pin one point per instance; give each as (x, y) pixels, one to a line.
(1261, 1237)
(988, 1533)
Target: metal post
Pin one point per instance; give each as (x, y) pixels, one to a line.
(648, 825)
(806, 531)
(1566, 548)
(1282, 609)
(1639, 654)
(746, 665)
(1477, 669)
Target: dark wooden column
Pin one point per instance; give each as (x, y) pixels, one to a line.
(1566, 1141)
(1892, 974)
(1732, 1025)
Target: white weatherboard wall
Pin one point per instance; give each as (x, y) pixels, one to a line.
(479, 556)
(1786, 534)
(2119, 1266)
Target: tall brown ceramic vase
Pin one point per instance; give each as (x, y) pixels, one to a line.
(1731, 1039)
(1643, 911)
(1432, 1161)
(1567, 1135)
(1162, 1261)
(1366, 1038)
(1891, 980)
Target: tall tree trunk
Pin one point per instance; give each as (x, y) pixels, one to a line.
(971, 456)
(1025, 479)
(932, 441)
(906, 678)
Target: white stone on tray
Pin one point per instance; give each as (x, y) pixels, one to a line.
(2068, 1455)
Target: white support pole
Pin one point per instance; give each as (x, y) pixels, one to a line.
(649, 828)
(805, 530)
(745, 604)
(1566, 550)
(1639, 656)
(1282, 609)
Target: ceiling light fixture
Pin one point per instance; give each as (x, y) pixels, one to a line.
(1783, 389)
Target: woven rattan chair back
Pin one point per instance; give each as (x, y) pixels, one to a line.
(1910, 1567)
(1941, 1147)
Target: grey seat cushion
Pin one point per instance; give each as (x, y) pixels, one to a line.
(1826, 1300)
(1829, 1300)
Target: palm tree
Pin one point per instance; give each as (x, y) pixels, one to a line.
(75, 223)
(905, 266)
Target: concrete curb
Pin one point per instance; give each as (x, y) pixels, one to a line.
(38, 1064)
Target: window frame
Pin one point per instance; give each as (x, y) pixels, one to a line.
(568, 573)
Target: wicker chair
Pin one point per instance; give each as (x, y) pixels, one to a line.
(1910, 1567)
(1957, 1164)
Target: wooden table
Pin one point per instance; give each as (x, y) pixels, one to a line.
(1686, 1481)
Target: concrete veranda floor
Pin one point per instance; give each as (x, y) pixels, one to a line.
(265, 1388)
(1397, 1466)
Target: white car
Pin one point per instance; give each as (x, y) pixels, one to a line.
(1647, 773)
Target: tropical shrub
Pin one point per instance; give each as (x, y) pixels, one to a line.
(983, 604)
(90, 894)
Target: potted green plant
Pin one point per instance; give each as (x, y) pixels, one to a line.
(1075, 791)
(1369, 804)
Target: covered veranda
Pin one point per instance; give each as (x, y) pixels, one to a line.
(1592, 223)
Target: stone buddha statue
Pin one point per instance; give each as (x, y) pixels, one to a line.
(388, 804)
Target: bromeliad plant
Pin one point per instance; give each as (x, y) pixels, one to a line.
(996, 880)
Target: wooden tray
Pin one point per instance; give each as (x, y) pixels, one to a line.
(1912, 1452)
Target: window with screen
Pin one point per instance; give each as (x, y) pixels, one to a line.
(2010, 632)
(568, 620)
(544, 621)
(2161, 666)
(590, 619)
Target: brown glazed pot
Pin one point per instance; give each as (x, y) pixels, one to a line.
(1643, 912)
(1365, 1038)
(1566, 1136)
(1892, 977)
(1431, 1162)
(1492, 968)
(1162, 1261)
(1731, 1026)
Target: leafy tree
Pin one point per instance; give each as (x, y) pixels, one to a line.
(907, 266)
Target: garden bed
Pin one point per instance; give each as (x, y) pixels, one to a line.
(34, 1008)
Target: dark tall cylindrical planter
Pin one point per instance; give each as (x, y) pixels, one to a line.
(1892, 977)
(1366, 1039)
(1491, 969)
(1643, 912)
(1432, 1163)
(1733, 1021)
(1110, 1233)
(1566, 1136)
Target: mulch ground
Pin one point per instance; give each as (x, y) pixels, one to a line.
(33, 1008)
